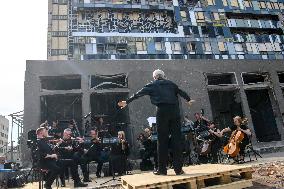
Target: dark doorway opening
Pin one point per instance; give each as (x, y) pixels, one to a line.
(225, 105)
(105, 105)
(262, 115)
(62, 108)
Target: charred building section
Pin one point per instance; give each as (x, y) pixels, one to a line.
(57, 91)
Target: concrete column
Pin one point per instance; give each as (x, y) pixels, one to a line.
(245, 107)
(278, 108)
(86, 108)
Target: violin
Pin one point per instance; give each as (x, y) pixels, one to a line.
(233, 147)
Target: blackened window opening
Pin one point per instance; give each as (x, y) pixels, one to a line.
(67, 82)
(221, 79)
(252, 78)
(281, 77)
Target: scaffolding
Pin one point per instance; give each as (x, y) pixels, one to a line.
(17, 121)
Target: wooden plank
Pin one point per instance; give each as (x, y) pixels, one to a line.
(225, 179)
(197, 172)
(234, 185)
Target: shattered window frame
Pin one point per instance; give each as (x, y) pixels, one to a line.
(107, 80)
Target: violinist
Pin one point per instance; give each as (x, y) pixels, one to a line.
(69, 149)
(50, 161)
(147, 150)
(240, 125)
(119, 153)
(94, 151)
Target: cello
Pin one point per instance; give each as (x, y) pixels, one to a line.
(233, 148)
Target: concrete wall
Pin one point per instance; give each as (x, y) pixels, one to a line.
(188, 74)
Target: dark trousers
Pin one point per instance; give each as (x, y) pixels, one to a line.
(57, 167)
(168, 123)
(92, 157)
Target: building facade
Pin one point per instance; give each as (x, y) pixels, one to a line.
(4, 131)
(64, 90)
(165, 29)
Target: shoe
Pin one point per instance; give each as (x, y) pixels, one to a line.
(62, 185)
(180, 173)
(47, 186)
(160, 173)
(80, 184)
(87, 180)
(98, 175)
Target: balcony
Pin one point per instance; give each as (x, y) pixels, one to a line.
(127, 4)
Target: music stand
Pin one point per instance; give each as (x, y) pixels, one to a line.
(112, 169)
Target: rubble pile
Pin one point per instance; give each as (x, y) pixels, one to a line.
(270, 174)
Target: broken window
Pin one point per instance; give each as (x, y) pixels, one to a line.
(67, 82)
(109, 81)
(253, 78)
(281, 77)
(225, 105)
(221, 79)
(262, 112)
(63, 107)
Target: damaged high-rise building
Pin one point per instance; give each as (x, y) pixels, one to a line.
(165, 29)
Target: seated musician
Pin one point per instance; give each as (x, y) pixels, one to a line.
(70, 149)
(94, 151)
(240, 125)
(215, 136)
(148, 150)
(50, 161)
(119, 153)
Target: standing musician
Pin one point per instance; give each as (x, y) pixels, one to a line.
(55, 131)
(201, 122)
(50, 161)
(74, 129)
(70, 148)
(94, 151)
(240, 125)
(119, 153)
(164, 94)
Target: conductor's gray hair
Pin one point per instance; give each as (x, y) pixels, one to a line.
(158, 74)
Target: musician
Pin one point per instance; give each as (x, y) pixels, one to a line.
(94, 149)
(164, 94)
(72, 125)
(148, 149)
(201, 122)
(215, 138)
(70, 148)
(119, 153)
(240, 125)
(54, 130)
(49, 160)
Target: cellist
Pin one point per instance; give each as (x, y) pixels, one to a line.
(239, 125)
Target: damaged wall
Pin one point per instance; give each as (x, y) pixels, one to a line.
(189, 75)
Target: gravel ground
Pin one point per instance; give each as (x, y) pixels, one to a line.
(269, 175)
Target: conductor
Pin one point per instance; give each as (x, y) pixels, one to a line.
(164, 94)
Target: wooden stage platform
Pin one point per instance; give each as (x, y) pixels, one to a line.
(209, 176)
